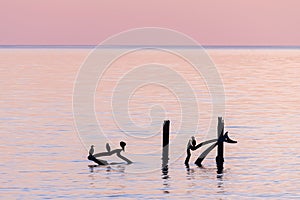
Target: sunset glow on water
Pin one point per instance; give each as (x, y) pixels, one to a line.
(44, 157)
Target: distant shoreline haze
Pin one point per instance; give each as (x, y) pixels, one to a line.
(141, 46)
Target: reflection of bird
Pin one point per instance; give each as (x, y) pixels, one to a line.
(107, 147)
(91, 152)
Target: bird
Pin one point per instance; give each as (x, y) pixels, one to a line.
(193, 141)
(91, 152)
(123, 144)
(107, 147)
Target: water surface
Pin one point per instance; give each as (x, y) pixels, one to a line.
(43, 157)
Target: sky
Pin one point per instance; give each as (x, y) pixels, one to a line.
(210, 22)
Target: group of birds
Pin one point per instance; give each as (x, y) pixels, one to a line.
(92, 150)
(108, 149)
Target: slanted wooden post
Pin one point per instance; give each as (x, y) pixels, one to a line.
(165, 146)
(220, 152)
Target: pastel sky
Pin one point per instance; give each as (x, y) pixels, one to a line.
(210, 22)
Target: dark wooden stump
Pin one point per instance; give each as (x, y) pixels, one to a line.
(220, 151)
(165, 145)
(92, 158)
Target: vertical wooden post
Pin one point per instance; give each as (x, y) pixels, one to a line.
(165, 146)
(220, 152)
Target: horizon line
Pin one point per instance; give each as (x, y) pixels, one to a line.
(172, 46)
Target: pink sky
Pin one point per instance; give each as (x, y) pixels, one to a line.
(210, 22)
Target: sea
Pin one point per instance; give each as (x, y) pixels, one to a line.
(55, 102)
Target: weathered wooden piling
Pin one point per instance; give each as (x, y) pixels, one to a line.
(165, 145)
(220, 151)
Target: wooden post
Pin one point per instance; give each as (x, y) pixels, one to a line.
(220, 152)
(165, 146)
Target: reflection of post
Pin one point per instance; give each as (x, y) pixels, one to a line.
(220, 155)
(165, 146)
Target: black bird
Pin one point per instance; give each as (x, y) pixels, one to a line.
(123, 144)
(193, 141)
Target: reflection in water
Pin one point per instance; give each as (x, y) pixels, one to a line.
(190, 173)
(118, 168)
(219, 175)
(108, 169)
(166, 185)
(262, 108)
(91, 168)
(99, 170)
(165, 171)
(92, 180)
(220, 185)
(121, 168)
(190, 177)
(165, 176)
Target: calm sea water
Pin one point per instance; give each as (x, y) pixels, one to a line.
(42, 156)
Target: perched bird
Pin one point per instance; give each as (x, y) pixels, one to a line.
(123, 144)
(107, 147)
(193, 141)
(91, 152)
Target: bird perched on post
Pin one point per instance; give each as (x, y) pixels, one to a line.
(91, 152)
(193, 141)
(123, 144)
(107, 147)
